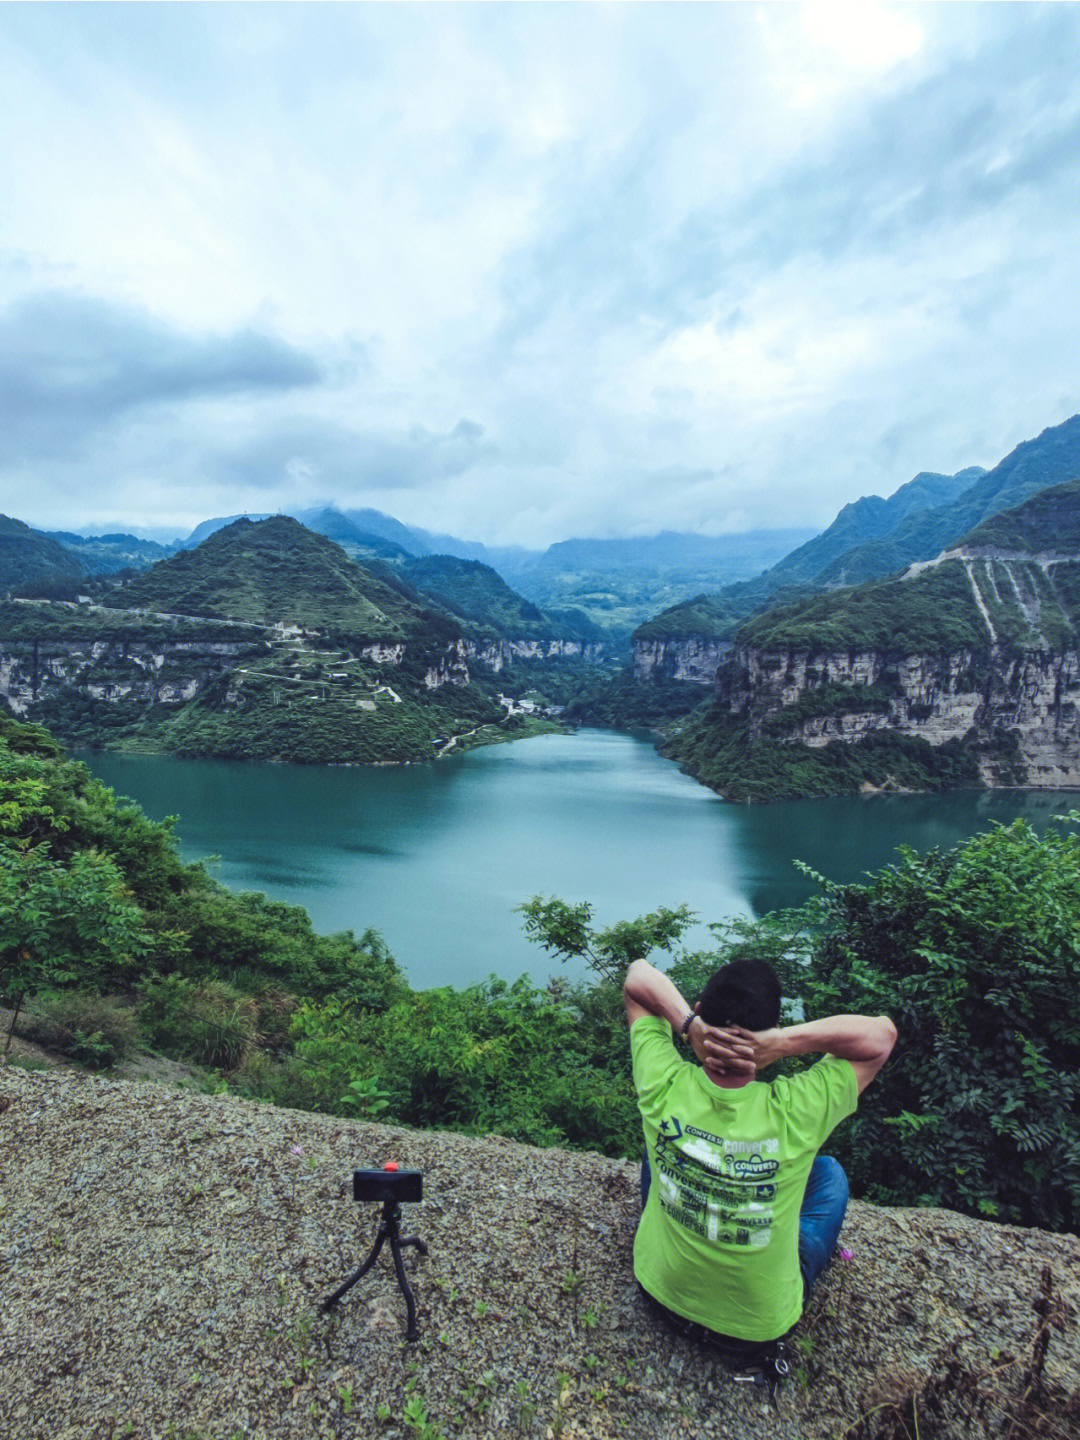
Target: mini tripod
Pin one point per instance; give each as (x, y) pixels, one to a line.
(391, 1186)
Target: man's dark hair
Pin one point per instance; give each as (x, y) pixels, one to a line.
(745, 992)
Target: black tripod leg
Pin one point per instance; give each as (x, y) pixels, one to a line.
(411, 1332)
(331, 1300)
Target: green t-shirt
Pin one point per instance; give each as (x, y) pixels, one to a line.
(719, 1240)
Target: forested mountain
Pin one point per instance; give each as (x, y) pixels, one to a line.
(620, 583)
(969, 596)
(273, 572)
(377, 533)
(804, 569)
(872, 538)
(1050, 459)
(361, 544)
(267, 641)
(481, 598)
(30, 560)
(963, 671)
(613, 584)
(108, 554)
(870, 519)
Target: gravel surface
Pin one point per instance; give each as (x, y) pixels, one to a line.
(163, 1254)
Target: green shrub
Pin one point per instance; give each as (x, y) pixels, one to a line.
(97, 1030)
(208, 1022)
(975, 954)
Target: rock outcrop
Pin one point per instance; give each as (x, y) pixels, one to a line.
(164, 1254)
(33, 672)
(497, 654)
(1030, 701)
(694, 658)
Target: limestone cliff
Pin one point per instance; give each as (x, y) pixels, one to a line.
(33, 672)
(1030, 701)
(497, 654)
(694, 658)
(964, 670)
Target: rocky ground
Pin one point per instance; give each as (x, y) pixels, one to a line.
(163, 1254)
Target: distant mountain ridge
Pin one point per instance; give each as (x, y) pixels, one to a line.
(871, 518)
(1051, 458)
(29, 559)
(872, 538)
(613, 583)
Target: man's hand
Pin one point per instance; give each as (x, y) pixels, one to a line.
(767, 1046)
(722, 1052)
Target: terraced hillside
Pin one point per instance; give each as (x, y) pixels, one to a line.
(267, 641)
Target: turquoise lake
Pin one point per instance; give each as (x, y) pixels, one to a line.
(438, 856)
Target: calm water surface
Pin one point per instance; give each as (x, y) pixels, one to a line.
(438, 856)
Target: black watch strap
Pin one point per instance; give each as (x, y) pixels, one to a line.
(688, 1022)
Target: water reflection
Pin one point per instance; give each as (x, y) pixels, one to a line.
(439, 857)
(845, 838)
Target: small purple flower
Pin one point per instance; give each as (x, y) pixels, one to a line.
(845, 1254)
(297, 1150)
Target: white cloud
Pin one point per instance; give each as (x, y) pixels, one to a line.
(701, 266)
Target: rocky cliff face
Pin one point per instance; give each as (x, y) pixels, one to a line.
(1030, 700)
(32, 672)
(496, 654)
(170, 674)
(692, 657)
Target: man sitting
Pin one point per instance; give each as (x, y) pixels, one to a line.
(740, 1213)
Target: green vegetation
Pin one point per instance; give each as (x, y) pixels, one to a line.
(975, 953)
(626, 703)
(267, 642)
(1051, 459)
(1065, 579)
(109, 554)
(65, 622)
(830, 699)
(1048, 521)
(933, 612)
(93, 896)
(723, 752)
(987, 608)
(619, 584)
(31, 562)
(274, 572)
(317, 722)
(106, 937)
(479, 595)
(705, 616)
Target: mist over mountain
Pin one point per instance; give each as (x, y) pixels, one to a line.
(615, 583)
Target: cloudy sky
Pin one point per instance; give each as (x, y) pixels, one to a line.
(526, 271)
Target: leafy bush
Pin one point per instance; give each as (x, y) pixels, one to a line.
(975, 953)
(98, 1030)
(209, 1023)
(495, 1057)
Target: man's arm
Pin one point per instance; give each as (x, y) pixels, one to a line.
(647, 991)
(865, 1040)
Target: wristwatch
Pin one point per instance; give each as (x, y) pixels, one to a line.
(691, 1017)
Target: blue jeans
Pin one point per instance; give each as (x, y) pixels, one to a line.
(820, 1218)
